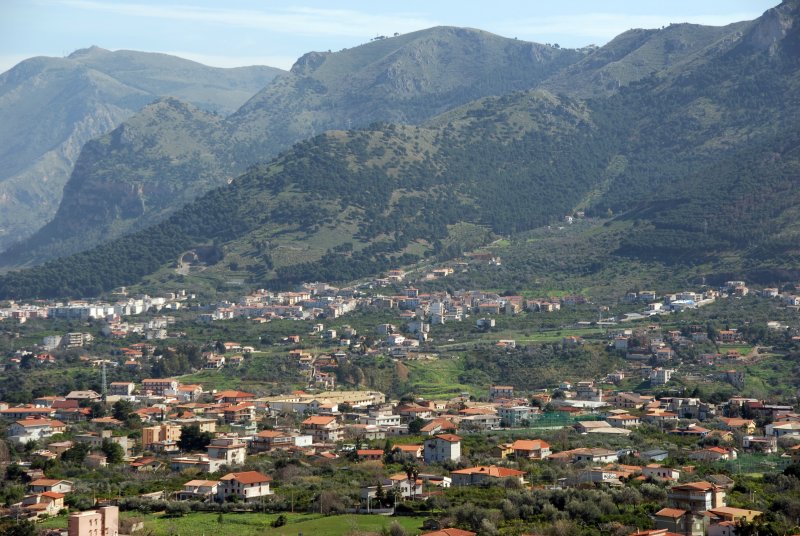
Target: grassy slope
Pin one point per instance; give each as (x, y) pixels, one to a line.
(248, 524)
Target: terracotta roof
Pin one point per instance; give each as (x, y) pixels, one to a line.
(703, 486)
(408, 448)
(106, 420)
(529, 444)
(233, 394)
(202, 483)
(369, 452)
(442, 424)
(45, 482)
(450, 438)
(248, 477)
(732, 511)
(319, 419)
(53, 495)
(478, 411)
(41, 422)
(490, 470)
(270, 433)
(670, 512)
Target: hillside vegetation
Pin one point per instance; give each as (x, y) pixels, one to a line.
(697, 165)
(129, 179)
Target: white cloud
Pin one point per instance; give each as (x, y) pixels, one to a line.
(602, 27)
(297, 21)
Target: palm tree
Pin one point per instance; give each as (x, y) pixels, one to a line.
(412, 471)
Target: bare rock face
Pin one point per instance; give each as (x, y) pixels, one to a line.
(308, 63)
(773, 27)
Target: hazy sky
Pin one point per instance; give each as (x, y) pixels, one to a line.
(247, 32)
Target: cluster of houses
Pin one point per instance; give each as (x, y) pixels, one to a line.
(332, 424)
(95, 309)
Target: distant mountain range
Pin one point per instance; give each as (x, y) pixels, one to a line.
(690, 132)
(50, 107)
(170, 152)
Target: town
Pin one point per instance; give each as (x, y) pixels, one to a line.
(152, 413)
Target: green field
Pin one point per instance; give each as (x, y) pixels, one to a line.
(246, 524)
(438, 379)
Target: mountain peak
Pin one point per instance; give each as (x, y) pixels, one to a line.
(85, 52)
(308, 63)
(774, 26)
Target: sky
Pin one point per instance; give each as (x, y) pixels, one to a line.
(265, 32)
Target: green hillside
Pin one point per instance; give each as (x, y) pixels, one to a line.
(408, 79)
(693, 169)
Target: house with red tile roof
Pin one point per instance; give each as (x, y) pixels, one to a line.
(249, 486)
(324, 429)
(533, 449)
(480, 474)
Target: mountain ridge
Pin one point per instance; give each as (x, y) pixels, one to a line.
(701, 163)
(39, 144)
(319, 94)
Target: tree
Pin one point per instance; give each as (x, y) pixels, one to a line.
(98, 409)
(113, 451)
(415, 426)
(412, 471)
(193, 439)
(380, 495)
(21, 527)
(77, 454)
(121, 410)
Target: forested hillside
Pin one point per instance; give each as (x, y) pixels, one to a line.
(128, 179)
(697, 164)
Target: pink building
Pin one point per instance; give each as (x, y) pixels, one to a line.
(101, 522)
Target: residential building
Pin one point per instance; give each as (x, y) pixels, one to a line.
(324, 429)
(661, 376)
(160, 386)
(249, 486)
(512, 416)
(659, 472)
(43, 485)
(532, 449)
(230, 449)
(696, 496)
(484, 473)
(27, 430)
(199, 462)
(268, 440)
(501, 391)
(441, 448)
(199, 490)
(101, 522)
(678, 521)
(164, 433)
(121, 388)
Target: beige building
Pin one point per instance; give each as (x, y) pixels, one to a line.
(152, 435)
(101, 522)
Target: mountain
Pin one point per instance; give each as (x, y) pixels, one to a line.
(405, 79)
(639, 53)
(698, 166)
(49, 107)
